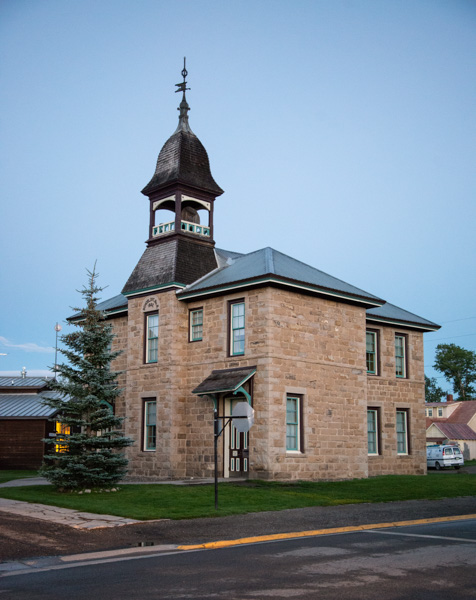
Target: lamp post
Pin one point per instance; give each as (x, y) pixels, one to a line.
(57, 329)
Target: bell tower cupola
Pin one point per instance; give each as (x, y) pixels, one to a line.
(181, 193)
(182, 190)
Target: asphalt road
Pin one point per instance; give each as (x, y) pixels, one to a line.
(23, 537)
(424, 562)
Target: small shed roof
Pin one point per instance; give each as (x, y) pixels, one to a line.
(225, 380)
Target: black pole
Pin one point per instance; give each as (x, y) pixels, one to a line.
(216, 454)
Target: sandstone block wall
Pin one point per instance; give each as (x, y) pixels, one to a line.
(389, 393)
(300, 344)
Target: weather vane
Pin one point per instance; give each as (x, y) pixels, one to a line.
(181, 87)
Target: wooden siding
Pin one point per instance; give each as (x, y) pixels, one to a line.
(20, 444)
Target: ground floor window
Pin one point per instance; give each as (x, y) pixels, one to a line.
(62, 431)
(373, 431)
(294, 442)
(150, 424)
(402, 431)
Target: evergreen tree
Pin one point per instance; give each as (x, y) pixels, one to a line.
(87, 453)
(433, 392)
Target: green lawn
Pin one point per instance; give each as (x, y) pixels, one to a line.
(15, 474)
(184, 502)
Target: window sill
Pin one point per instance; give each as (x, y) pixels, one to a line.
(294, 453)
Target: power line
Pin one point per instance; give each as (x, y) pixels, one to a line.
(453, 337)
(456, 320)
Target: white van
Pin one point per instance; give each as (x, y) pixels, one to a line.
(443, 456)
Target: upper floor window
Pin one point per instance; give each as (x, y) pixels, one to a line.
(400, 356)
(152, 338)
(237, 328)
(196, 325)
(402, 432)
(371, 352)
(150, 424)
(440, 412)
(372, 431)
(293, 423)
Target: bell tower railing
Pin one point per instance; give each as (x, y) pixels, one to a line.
(196, 228)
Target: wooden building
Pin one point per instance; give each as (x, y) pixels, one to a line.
(24, 422)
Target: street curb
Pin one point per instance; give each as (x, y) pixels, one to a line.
(316, 532)
(27, 566)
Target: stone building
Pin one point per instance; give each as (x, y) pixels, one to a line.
(334, 374)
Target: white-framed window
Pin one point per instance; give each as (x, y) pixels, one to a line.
(371, 352)
(372, 431)
(400, 356)
(402, 431)
(430, 412)
(440, 412)
(152, 337)
(196, 325)
(150, 425)
(237, 328)
(294, 442)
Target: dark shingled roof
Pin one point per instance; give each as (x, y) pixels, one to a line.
(225, 380)
(177, 260)
(268, 263)
(183, 159)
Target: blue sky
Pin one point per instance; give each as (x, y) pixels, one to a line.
(341, 131)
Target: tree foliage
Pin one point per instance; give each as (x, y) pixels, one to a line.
(433, 392)
(88, 453)
(458, 365)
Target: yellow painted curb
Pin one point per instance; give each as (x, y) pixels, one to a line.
(300, 534)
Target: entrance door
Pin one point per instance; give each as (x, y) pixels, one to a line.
(236, 445)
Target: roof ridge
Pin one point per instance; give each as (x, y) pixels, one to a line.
(269, 258)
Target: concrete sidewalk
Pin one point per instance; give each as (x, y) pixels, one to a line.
(63, 516)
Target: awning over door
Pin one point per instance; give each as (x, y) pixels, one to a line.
(224, 380)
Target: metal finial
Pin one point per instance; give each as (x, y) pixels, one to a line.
(181, 87)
